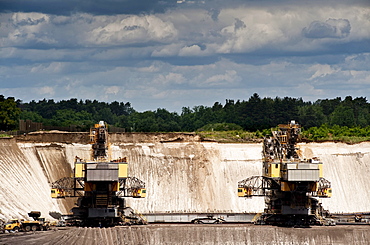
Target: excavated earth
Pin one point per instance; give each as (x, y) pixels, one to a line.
(159, 234)
(182, 175)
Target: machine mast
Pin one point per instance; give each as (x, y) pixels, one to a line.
(100, 184)
(288, 182)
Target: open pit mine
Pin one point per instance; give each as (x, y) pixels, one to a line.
(186, 179)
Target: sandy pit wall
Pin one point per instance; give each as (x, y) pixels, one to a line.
(182, 174)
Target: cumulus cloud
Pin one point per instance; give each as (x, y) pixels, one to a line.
(54, 67)
(357, 61)
(111, 90)
(167, 50)
(84, 30)
(249, 32)
(321, 71)
(30, 19)
(168, 79)
(331, 28)
(193, 50)
(308, 90)
(46, 91)
(191, 54)
(132, 29)
(229, 77)
(27, 29)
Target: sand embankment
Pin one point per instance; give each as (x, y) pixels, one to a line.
(182, 174)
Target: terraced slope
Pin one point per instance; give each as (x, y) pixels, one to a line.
(181, 173)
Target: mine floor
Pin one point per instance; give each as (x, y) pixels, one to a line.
(194, 234)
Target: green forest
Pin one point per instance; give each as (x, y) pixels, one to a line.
(324, 119)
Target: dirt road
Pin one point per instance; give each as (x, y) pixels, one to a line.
(194, 234)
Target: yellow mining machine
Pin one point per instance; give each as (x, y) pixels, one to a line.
(289, 184)
(37, 224)
(101, 185)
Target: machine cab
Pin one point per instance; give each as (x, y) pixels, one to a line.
(141, 192)
(244, 192)
(57, 193)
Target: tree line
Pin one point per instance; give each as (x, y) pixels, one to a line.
(254, 114)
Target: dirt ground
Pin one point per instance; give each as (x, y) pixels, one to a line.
(83, 137)
(194, 234)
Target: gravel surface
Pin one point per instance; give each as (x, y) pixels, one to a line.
(194, 234)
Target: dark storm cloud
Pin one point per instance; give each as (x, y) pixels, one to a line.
(107, 7)
(239, 24)
(111, 7)
(332, 28)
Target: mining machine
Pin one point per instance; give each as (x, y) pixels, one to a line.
(290, 184)
(37, 224)
(101, 185)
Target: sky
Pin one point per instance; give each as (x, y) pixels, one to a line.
(172, 54)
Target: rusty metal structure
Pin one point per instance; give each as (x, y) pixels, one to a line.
(100, 184)
(290, 184)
